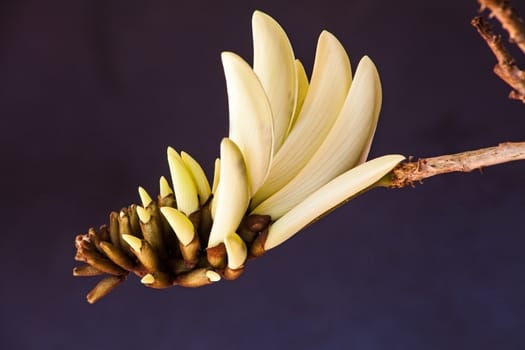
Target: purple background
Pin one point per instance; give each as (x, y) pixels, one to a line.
(92, 92)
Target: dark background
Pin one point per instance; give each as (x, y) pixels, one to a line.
(92, 92)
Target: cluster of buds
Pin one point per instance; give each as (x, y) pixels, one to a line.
(163, 242)
(296, 150)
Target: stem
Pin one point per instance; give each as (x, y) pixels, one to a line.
(506, 68)
(509, 19)
(409, 172)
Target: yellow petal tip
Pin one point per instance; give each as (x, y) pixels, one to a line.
(144, 197)
(236, 251)
(165, 189)
(148, 279)
(213, 276)
(134, 242)
(180, 223)
(144, 215)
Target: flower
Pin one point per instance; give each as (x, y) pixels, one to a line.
(303, 143)
(296, 149)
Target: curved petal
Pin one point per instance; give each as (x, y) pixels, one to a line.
(215, 186)
(236, 251)
(165, 189)
(143, 214)
(233, 193)
(342, 148)
(181, 225)
(199, 177)
(183, 184)
(368, 143)
(216, 174)
(251, 125)
(145, 198)
(328, 89)
(273, 62)
(302, 89)
(334, 193)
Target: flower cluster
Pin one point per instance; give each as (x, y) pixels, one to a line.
(296, 149)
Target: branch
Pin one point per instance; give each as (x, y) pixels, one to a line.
(509, 19)
(506, 68)
(407, 173)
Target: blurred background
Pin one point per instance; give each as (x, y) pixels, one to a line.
(92, 93)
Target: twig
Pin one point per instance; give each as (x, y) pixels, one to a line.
(407, 173)
(506, 68)
(509, 19)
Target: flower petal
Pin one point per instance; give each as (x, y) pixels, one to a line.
(273, 62)
(180, 223)
(331, 195)
(236, 251)
(147, 279)
(134, 242)
(165, 189)
(199, 177)
(143, 214)
(185, 190)
(216, 174)
(251, 125)
(302, 89)
(328, 89)
(145, 198)
(215, 186)
(379, 97)
(342, 148)
(233, 193)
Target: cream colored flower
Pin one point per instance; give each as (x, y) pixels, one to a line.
(295, 148)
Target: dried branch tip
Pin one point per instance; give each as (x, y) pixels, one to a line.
(506, 68)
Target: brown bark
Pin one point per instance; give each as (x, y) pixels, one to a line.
(509, 19)
(409, 172)
(506, 68)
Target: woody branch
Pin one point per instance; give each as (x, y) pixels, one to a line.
(506, 68)
(409, 172)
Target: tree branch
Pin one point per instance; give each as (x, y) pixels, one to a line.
(409, 172)
(509, 19)
(506, 68)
